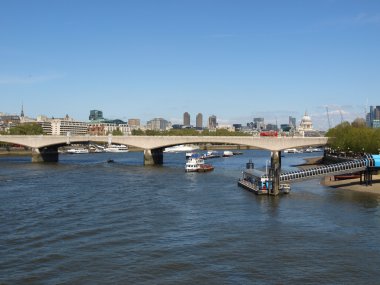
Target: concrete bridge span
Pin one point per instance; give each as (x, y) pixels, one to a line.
(45, 148)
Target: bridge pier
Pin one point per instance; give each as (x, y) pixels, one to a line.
(45, 154)
(275, 172)
(153, 156)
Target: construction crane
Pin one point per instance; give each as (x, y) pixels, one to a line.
(341, 115)
(328, 116)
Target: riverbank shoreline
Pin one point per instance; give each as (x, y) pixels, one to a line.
(346, 184)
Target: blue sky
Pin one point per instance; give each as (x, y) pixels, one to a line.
(148, 58)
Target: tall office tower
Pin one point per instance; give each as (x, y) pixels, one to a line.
(292, 122)
(376, 115)
(199, 121)
(212, 122)
(373, 117)
(186, 119)
(95, 115)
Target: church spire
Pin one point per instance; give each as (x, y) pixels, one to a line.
(22, 110)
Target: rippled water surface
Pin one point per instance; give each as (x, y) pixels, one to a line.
(85, 221)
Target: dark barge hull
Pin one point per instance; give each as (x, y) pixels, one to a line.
(250, 187)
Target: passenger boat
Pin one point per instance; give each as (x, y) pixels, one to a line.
(197, 164)
(181, 148)
(116, 148)
(211, 154)
(292, 150)
(190, 154)
(77, 150)
(311, 149)
(227, 153)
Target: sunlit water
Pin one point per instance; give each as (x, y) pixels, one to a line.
(85, 221)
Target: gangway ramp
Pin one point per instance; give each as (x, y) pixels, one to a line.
(331, 169)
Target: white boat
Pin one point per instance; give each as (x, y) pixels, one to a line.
(292, 150)
(227, 153)
(311, 149)
(193, 164)
(77, 150)
(284, 188)
(181, 148)
(211, 154)
(116, 148)
(96, 149)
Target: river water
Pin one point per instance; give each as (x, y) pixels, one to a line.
(85, 221)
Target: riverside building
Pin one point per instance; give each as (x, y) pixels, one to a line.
(62, 126)
(103, 129)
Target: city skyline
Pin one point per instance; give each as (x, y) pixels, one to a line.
(237, 60)
(95, 115)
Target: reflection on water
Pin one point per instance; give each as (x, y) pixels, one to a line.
(84, 220)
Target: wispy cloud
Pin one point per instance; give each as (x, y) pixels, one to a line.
(28, 79)
(364, 18)
(354, 20)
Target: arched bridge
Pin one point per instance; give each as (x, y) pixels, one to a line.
(45, 148)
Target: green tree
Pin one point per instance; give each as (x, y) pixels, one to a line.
(117, 132)
(354, 137)
(26, 129)
(138, 132)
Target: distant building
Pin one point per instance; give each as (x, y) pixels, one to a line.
(8, 121)
(292, 122)
(237, 127)
(186, 119)
(62, 126)
(229, 128)
(376, 124)
(96, 115)
(271, 127)
(134, 123)
(285, 127)
(212, 122)
(177, 126)
(158, 124)
(103, 129)
(199, 121)
(258, 124)
(373, 117)
(66, 126)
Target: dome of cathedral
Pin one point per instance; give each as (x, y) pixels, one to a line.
(306, 118)
(306, 123)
